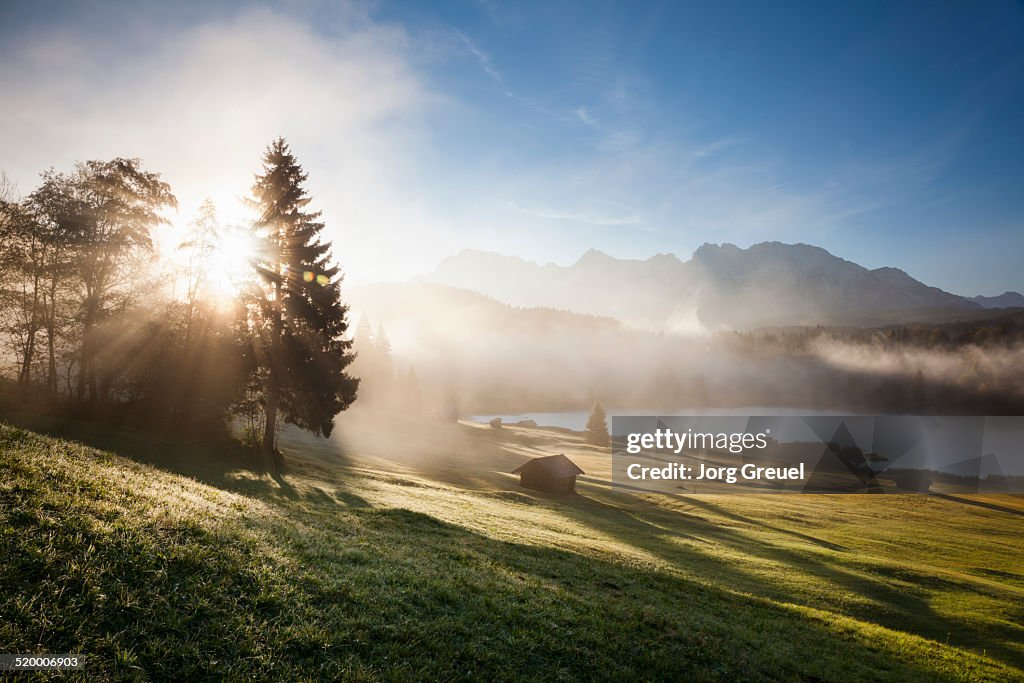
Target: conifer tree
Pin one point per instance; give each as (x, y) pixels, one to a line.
(597, 426)
(364, 335)
(383, 342)
(298, 320)
(385, 364)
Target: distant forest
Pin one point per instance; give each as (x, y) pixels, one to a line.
(1005, 330)
(965, 367)
(97, 323)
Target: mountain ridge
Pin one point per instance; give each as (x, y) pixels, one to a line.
(1004, 300)
(720, 286)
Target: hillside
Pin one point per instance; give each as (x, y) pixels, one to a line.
(418, 558)
(489, 355)
(721, 286)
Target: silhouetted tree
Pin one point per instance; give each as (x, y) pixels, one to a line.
(299, 323)
(384, 364)
(10, 224)
(24, 262)
(383, 344)
(379, 383)
(199, 246)
(364, 335)
(36, 267)
(102, 213)
(365, 363)
(597, 426)
(9, 207)
(190, 361)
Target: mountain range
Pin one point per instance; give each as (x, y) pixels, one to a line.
(1004, 300)
(721, 286)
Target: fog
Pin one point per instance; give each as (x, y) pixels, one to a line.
(472, 354)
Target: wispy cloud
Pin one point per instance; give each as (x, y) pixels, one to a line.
(712, 148)
(482, 58)
(486, 64)
(584, 115)
(590, 217)
(619, 140)
(581, 114)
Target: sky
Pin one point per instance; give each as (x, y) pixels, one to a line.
(890, 133)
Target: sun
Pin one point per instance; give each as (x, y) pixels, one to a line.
(211, 262)
(230, 263)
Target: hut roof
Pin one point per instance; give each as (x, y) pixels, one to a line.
(556, 466)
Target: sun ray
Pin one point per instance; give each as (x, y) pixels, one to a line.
(213, 264)
(230, 264)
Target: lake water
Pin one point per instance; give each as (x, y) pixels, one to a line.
(577, 419)
(995, 445)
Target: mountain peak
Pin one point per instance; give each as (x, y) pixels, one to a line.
(892, 274)
(594, 256)
(470, 253)
(1004, 300)
(712, 248)
(723, 285)
(664, 258)
(731, 261)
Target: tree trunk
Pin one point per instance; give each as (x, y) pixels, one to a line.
(25, 373)
(51, 368)
(273, 383)
(270, 425)
(83, 364)
(51, 341)
(86, 375)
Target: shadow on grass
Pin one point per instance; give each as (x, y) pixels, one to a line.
(560, 583)
(216, 460)
(371, 594)
(979, 503)
(683, 540)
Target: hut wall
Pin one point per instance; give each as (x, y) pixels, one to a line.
(538, 480)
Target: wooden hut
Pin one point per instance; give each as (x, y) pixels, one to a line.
(555, 473)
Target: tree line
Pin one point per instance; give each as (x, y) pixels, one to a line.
(95, 326)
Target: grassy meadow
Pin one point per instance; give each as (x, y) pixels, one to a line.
(404, 551)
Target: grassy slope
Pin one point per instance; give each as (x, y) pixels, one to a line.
(369, 569)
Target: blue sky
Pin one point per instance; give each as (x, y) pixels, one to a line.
(889, 133)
